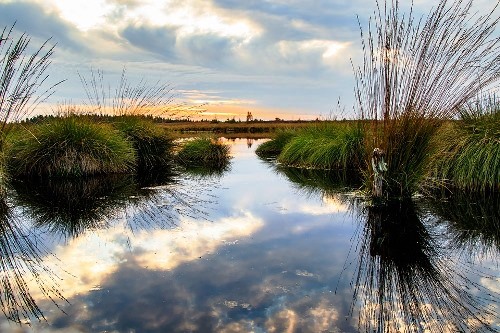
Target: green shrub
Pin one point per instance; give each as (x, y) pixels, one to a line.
(204, 152)
(69, 147)
(153, 145)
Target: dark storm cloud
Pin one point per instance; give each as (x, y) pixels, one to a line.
(32, 19)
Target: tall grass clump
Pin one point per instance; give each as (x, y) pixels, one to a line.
(274, 146)
(22, 81)
(204, 152)
(417, 73)
(68, 147)
(338, 146)
(468, 154)
(153, 145)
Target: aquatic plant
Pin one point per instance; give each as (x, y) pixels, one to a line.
(153, 144)
(415, 74)
(468, 150)
(69, 147)
(273, 147)
(203, 151)
(338, 146)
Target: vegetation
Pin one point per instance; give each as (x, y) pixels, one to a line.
(204, 152)
(67, 147)
(468, 151)
(325, 147)
(275, 146)
(415, 74)
(153, 144)
(21, 76)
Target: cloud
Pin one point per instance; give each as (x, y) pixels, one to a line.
(33, 20)
(156, 40)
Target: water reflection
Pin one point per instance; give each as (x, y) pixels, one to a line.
(70, 207)
(405, 278)
(407, 282)
(21, 261)
(329, 182)
(471, 222)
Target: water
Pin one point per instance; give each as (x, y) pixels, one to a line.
(255, 248)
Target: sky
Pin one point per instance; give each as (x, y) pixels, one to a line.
(289, 59)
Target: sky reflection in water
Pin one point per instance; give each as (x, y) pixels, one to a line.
(272, 255)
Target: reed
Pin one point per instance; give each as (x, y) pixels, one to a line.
(417, 73)
(68, 147)
(338, 147)
(468, 151)
(204, 152)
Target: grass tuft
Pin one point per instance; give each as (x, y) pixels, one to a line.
(325, 147)
(153, 145)
(69, 147)
(203, 152)
(273, 148)
(417, 73)
(468, 150)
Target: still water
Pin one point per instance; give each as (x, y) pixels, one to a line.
(254, 248)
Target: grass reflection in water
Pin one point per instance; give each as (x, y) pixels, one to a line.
(407, 278)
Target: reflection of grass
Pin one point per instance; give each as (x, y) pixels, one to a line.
(203, 152)
(21, 261)
(327, 182)
(471, 219)
(67, 147)
(404, 280)
(72, 206)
